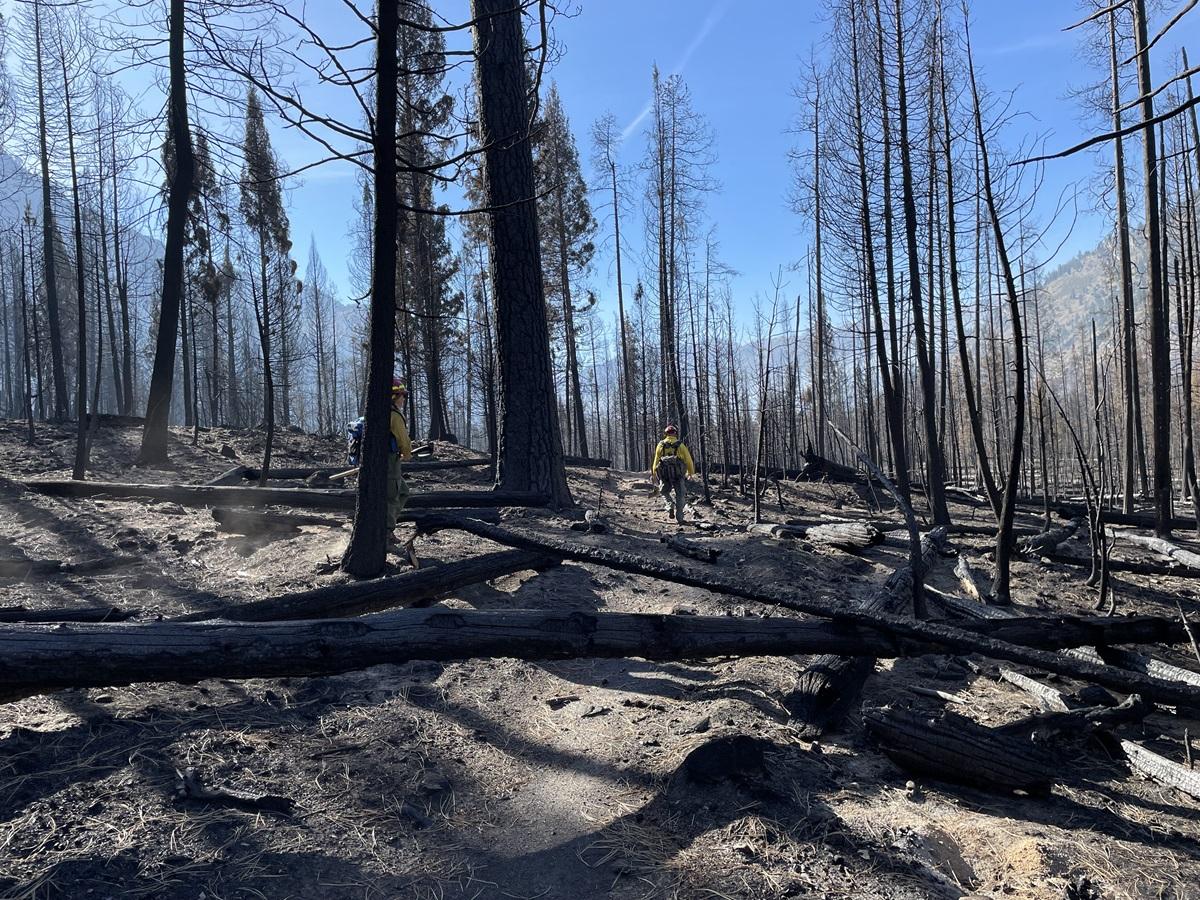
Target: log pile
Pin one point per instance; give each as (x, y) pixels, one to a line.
(830, 685)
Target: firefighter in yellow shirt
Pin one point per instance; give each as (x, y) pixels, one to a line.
(671, 468)
(399, 449)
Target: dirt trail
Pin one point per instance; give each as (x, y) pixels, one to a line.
(508, 779)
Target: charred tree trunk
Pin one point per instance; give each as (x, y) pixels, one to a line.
(530, 452)
(367, 551)
(158, 406)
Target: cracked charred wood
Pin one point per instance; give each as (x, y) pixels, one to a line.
(1048, 541)
(968, 580)
(37, 658)
(359, 597)
(968, 609)
(1136, 662)
(253, 521)
(1162, 770)
(818, 468)
(963, 640)
(206, 495)
(954, 748)
(1049, 698)
(1189, 559)
(691, 549)
(830, 685)
(1049, 726)
(852, 537)
(18, 614)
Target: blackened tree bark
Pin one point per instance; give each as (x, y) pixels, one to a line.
(81, 438)
(158, 405)
(49, 258)
(1133, 412)
(1004, 533)
(937, 461)
(1160, 359)
(530, 445)
(366, 553)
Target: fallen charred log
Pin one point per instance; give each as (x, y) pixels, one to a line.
(954, 748)
(39, 658)
(209, 495)
(1189, 559)
(359, 597)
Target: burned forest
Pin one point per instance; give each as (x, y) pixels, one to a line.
(599, 450)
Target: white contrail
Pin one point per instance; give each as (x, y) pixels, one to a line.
(710, 22)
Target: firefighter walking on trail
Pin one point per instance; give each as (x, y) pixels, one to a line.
(671, 468)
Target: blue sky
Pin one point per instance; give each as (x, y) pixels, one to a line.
(741, 61)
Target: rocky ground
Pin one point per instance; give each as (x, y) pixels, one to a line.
(509, 779)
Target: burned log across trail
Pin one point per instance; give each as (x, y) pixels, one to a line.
(36, 658)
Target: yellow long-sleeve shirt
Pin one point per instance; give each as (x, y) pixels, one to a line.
(681, 451)
(399, 431)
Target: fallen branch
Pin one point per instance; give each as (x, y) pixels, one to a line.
(1187, 558)
(1048, 726)
(189, 786)
(233, 476)
(1160, 769)
(251, 521)
(21, 567)
(360, 597)
(953, 639)
(18, 614)
(1050, 699)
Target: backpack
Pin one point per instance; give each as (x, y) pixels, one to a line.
(354, 435)
(669, 463)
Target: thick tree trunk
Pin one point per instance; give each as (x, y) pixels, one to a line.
(1160, 361)
(530, 446)
(158, 405)
(366, 553)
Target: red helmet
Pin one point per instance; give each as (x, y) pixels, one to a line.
(670, 429)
